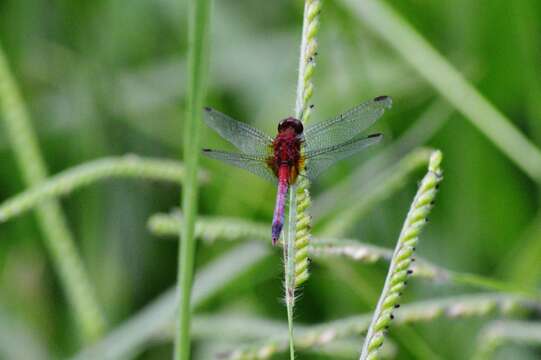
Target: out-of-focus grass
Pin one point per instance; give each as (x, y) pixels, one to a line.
(108, 78)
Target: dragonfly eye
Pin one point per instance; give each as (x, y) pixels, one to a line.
(290, 122)
(297, 125)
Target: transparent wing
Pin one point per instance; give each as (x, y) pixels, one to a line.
(345, 126)
(253, 163)
(247, 139)
(319, 160)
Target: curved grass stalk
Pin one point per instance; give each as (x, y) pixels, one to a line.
(439, 73)
(399, 268)
(210, 229)
(58, 238)
(498, 333)
(466, 306)
(130, 166)
(198, 44)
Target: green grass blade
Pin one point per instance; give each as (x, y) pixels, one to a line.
(58, 238)
(438, 72)
(198, 45)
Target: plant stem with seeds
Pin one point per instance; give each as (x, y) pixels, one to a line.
(399, 268)
(298, 227)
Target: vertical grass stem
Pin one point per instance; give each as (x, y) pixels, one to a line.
(198, 42)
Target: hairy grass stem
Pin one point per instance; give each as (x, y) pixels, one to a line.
(298, 226)
(289, 262)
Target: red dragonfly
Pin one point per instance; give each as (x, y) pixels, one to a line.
(295, 150)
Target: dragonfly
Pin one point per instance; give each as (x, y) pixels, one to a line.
(295, 151)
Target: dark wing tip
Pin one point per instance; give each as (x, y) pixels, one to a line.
(206, 150)
(386, 100)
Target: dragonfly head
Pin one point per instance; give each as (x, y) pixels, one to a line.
(290, 123)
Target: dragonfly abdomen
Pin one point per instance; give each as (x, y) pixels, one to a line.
(279, 209)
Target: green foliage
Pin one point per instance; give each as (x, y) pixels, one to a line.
(88, 82)
(503, 332)
(59, 240)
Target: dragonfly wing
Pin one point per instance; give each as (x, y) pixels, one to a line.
(345, 126)
(247, 139)
(319, 160)
(253, 163)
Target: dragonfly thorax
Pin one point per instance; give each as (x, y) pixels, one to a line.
(287, 152)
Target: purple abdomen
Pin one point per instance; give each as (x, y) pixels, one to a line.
(279, 209)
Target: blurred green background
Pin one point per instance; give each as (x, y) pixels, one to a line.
(108, 78)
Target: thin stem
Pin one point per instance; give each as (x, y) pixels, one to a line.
(58, 238)
(198, 43)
